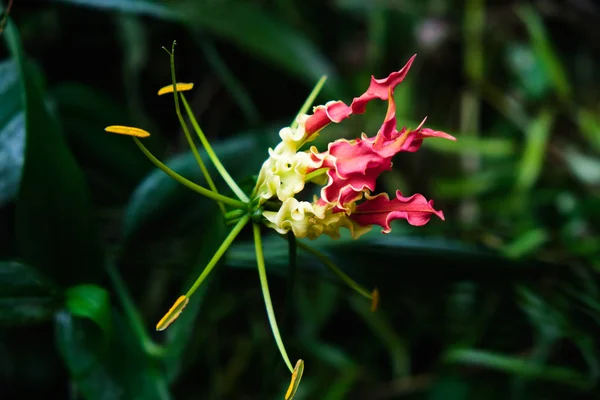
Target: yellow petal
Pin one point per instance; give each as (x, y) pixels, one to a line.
(173, 313)
(296, 377)
(181, 87)
(374, 300)
(127, 130)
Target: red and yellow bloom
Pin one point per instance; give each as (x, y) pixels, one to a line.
(348, 171)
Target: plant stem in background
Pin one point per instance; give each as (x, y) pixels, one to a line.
(338, 272)
(474, 20)
(134, 317)
(309, 100)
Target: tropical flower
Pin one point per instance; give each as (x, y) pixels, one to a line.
(347, 173)
(348, 170)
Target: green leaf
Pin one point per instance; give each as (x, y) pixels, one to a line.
(485, 147)
(384, 330)
(113, 165)
(107, 369)
(256, 31)
(542, 46)
(247, 25)
(516, 366)
(25, 297)
(90, 301)
(54, 221)
(476, 184)
(449, 388)
(316, 305)
(526, 243)
(585, 168)
(133, 37)
(400, 260)
(12, 131)
(534, 154)
(143, 7)
(589, 124)
(234, 85)
(332, 355)
(528, 70)
(474, 25)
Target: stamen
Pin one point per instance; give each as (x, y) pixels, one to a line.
(295, 382)
(180, 87)
(339, 273)
(127, 130)
(173, 313)
(182, 301)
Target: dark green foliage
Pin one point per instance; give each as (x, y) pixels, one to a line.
(502, 300)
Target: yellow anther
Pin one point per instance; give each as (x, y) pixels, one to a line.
(181, 87)
(296, 377)
(127, 130)
(173, 313)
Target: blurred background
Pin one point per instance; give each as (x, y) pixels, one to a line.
(499, 301)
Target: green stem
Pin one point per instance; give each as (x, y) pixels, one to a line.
(262, 273)
(132, 313)
(309, 100)
(226, 177)
(292, 268)
(186, 131)
(197, 188)
(316, 173)
(338, 272)
(220, 251)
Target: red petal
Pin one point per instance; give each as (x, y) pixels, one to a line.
(379, 88)
(415, 138)
(324, 115)
(355, 166)
(380, 210)
(338, 111)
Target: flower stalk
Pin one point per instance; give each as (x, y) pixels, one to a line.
(347, 173)
(185, 182)
(175, 89)
(264, 285)
(352, 284)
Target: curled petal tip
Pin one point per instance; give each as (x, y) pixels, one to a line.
(380, 210)
(181, 87)
(173, 313)
(127, 130)
(440, 215)
(426, 132)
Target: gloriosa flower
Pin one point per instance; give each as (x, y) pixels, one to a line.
(347, 172)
